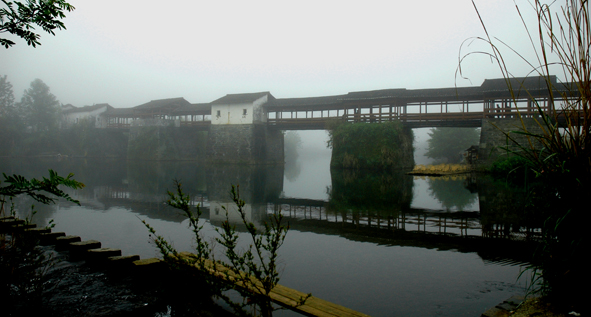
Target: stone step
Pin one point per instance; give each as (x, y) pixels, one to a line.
(101, 254)
(62, 243)
(51, 237)
(38, 231)
(123, 260)
(78, 249)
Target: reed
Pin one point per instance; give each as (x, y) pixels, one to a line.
(560, 155)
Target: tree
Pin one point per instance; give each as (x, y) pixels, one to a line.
(449, 143)
(10, 123)
(19, 18)
(6, 96)
(39, 107)
(293, 142)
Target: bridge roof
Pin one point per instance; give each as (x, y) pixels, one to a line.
(490, 88)
(527, 83)
(170, 103)
(87, 108)
(231, 99)
(193, 109)
(306, 102)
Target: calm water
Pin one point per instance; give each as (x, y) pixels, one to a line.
(385, 245)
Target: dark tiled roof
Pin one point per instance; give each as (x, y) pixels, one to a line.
(196, 108)
(241, 98)
(87, 108)
(287, 102)
(376, 94)
(517, 83)
(163, 103)
(120, 112)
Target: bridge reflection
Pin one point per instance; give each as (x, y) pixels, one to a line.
(362, 206)
(358, 200)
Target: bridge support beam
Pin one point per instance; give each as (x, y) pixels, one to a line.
(252, 144)
(494, 139)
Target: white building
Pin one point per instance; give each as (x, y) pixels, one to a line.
(240, 108)
(72, 115)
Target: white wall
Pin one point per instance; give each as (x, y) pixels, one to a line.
(234, 113)
(75, 117)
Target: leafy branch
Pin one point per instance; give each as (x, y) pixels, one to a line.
(19, 19)
(38, 189)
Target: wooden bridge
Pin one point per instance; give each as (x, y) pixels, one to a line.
(442, 107)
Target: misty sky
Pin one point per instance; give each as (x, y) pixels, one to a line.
(126, 53)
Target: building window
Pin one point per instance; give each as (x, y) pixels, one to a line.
(243, 112)
(219, 114)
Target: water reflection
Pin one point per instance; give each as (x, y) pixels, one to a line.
(452, 192)
(371, 228)
(363, 199)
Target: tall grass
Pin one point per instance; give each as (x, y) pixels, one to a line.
(559, 155)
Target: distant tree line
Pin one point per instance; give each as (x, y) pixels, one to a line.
(38, 110)
(31, 126)
(448, 144)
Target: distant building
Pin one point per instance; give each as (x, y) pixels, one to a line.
(471, 154)
(240, 108)
(177, 110)
(72, 115)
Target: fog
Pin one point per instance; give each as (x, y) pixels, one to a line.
(126, 54)
(314, 144)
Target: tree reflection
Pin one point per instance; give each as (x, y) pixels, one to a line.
(451, 193)
(369, 191)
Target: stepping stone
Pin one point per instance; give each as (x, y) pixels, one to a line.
(24, 227)
(79, 248)
(61, 243)
(50, 238)
(101, 254)
(149, 271)
(38, 231)
(119, 264)
(10, 222)
(124, 259)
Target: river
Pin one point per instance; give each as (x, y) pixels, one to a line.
(379, 243)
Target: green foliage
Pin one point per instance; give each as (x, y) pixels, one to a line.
(449, 143)
(38, 189)
(562, 42)
(39, 107)
(513, 168)
(244, 271)
(20, 19)
(370, 146)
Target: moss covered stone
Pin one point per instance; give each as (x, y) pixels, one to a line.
(371, 146)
